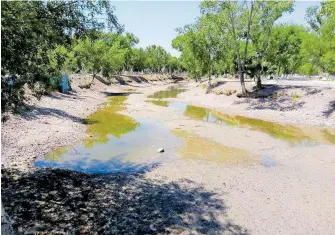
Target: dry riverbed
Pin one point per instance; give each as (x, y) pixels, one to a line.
(223, 179)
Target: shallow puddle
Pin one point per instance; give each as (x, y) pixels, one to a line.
(268, 161)
(115, 143)
(119, 143)
(195, 147)
(305, 136)
(171, 92)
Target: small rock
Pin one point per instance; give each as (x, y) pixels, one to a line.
(160, 150)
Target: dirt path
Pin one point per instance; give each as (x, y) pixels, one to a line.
(280, 189)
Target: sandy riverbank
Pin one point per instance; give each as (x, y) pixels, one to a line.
(283, 190)
(294, 102)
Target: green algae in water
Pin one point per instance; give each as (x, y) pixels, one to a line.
(329, 136)
(196, 112)
(291, 134)
(107, 121)
(162, 103)
(132, 152)
(199, 148)
(56, 153)
(115, 143)
(288, 133)
(172, 92)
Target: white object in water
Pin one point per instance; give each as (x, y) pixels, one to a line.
(160, 150)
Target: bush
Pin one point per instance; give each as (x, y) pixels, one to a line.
(218, 92)
(229, 92)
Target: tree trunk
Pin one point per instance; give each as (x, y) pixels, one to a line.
(209, 80)
(93, 78)
(259, 83)
(209, 85)
(244, 90)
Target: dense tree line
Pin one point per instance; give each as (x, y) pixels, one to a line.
(241, 37)
(111, 54)
(43, 39)
(30, 30)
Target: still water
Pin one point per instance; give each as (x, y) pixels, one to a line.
(295, 136)
(118, 143)
(171, 92)
(115, 143)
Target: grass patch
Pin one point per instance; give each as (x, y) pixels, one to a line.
(203, 86)
(295, 97)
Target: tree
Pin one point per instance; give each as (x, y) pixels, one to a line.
(245, 24)
(213, 48)
(137, 59)
(188, 43)
(91, 54)
(235, 19)
(319, 45)
(265, 15)
(30, 29)
(285, 48)
(157, 58)
(127, 43)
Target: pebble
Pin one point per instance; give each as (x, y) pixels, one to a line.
(160, 150)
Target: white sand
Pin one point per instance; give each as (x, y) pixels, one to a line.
(296, 196)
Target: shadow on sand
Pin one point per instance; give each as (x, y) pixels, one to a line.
(129, 78)
(330, 110)
(55, 201)
(35, 111)
(121, 93)
(266, 98)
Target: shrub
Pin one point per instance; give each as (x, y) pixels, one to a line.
(229, 92)
(295, 97)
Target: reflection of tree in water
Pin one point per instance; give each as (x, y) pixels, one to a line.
(196, 112)
(66, 202)
(107, 121)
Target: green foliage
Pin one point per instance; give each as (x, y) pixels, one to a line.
(191, 58)
(31, 29)
(285, 48)
(241, 37)
(318, 46)
(157, 58)
(229, 33)
(137, 59)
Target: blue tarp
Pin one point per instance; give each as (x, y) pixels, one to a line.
(64, 83)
